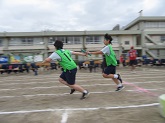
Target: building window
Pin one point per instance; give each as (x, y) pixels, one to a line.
(70, 40)
(115, 40)
(89, 39)
(162, 39)
(27, 41)
(126, 42)
(97, 39)
(73, 40)
(51, 40)
(93, 40)
(15, 42)
(61, 39)
(155, 24)
(77, 40)
(65, 40)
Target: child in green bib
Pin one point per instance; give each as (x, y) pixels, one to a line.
(111, 62)
(65, 60)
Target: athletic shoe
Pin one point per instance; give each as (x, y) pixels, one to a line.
(72, 91)
(120, 88)
(119, 78)
(84, 95)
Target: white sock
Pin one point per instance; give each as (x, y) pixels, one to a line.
(115, 76)
(119, 85)
(85, 91)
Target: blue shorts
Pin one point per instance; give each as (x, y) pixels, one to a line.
(110, 70)
(69, 76)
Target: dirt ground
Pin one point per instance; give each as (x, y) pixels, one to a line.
(25, 98)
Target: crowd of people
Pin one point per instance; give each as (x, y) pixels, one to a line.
(25, 67)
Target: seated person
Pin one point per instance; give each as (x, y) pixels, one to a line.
(158, 62)
(34, 68)
(151, 62)
(10, 67)
(91, 66)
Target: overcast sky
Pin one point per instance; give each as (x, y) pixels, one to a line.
(73, 15)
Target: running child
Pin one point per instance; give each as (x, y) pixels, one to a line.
(68, 75)
(111, 62)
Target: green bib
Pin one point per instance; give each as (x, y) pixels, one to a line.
(66, 62)
(111, 59)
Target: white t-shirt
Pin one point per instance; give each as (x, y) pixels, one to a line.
(54, 56)
(106, 50)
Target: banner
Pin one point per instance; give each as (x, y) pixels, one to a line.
(28, 58)
(15, 59)
(4, 59)
(35, 58)
(38, 58)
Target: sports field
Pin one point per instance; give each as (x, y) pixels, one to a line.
(25, 98)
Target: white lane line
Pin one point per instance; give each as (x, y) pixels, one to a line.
(133, 106)
(124, 72)
(64, 94)
(78, 76)
(77, 109)
(102, 79)
(28, 83)
(48, 87)
(55, 81)
(64, 117)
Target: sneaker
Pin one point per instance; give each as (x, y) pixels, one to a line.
(84, 95)
(120, 88)
(72, 91)
(119, 78)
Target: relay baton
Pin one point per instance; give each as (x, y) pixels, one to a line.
(84, 51)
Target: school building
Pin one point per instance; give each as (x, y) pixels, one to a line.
(145, 33)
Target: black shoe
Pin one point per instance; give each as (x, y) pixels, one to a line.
(72, 91)
(119, 78)
(84, 95)
(120, 88)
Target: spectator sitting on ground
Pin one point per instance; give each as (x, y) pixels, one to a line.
(34, 68)
(158, 62)
(151, 61)
(91, 66)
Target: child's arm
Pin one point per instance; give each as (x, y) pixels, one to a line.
(96, 52)
(47, 60)
(84, 51)
(79, 53)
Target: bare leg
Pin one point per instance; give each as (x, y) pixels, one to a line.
(116, 81)
(63, 81)
(112, 77)
(75, 86)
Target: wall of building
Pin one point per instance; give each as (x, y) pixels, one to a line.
(134, 35)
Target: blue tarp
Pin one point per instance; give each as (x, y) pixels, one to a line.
(3, 59)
